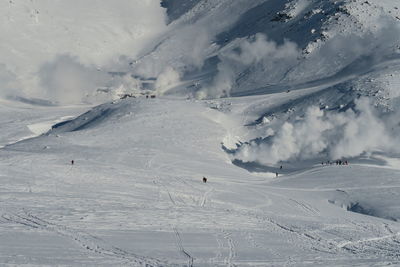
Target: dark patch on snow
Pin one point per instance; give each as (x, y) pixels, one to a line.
(177, 8)
(32, 101)
(93, 120)
(90, 119)
(55, 126)
(287, 167)
(365, 210)
(271, 18)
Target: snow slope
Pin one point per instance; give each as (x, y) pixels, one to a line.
(47, 45)
(242, 89)
(135, 196)
(250, 41)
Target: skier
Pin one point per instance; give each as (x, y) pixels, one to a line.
(276, 174)
(204, 179)
(72, 162)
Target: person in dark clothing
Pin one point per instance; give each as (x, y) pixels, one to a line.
(72, 162)
(204, 180)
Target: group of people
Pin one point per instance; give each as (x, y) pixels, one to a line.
(337, 162)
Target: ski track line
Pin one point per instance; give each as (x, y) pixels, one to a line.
(383, 245)
(367, 240)
(189, 187)
(305, 206)
(158, 181)
(313, 242)
(170, 197)
(182, 249)
(205, 196)
(89, 242)
(218, 255)
(232, 249)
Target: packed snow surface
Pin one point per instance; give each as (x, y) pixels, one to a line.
(135, 196)
(289, 109)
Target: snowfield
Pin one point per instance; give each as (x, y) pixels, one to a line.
(107, 133)
(135, 196)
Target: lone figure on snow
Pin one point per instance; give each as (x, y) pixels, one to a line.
(72, 162)
(204, 180)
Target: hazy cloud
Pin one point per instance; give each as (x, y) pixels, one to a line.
(319, 135)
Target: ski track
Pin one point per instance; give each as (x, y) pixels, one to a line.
(87, 241)
(160, 183)
(305, 206)
(231, 249)
(385, 243)
(218, 258)
(206, 196)
(308, 240)
(182, 249)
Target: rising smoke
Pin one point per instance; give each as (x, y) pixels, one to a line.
(67, 81)
(166, 79)
(257, 51)
(59, 45)
(323, 135)
(8, 82)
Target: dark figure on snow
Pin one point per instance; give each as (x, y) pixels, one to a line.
(204, 180)
(72, 162)
(276, 174)
(281, 167)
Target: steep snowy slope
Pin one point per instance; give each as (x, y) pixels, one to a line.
(345, 53)
(294, 42)
(216, 48)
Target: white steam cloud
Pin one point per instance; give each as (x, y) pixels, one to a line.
(124, 85)
(185, 51)
(91, 32)
(67, 81)
(257, 51)
(321, 135)
(8, 82)
(166, 80)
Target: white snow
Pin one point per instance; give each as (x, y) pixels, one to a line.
(121, 183)
(135, 195)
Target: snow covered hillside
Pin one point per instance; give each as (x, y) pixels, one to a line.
(112, 113)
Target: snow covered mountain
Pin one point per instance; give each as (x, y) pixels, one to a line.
(263, 98)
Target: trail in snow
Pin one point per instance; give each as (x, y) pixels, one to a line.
(87, 241)
(182, 249)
